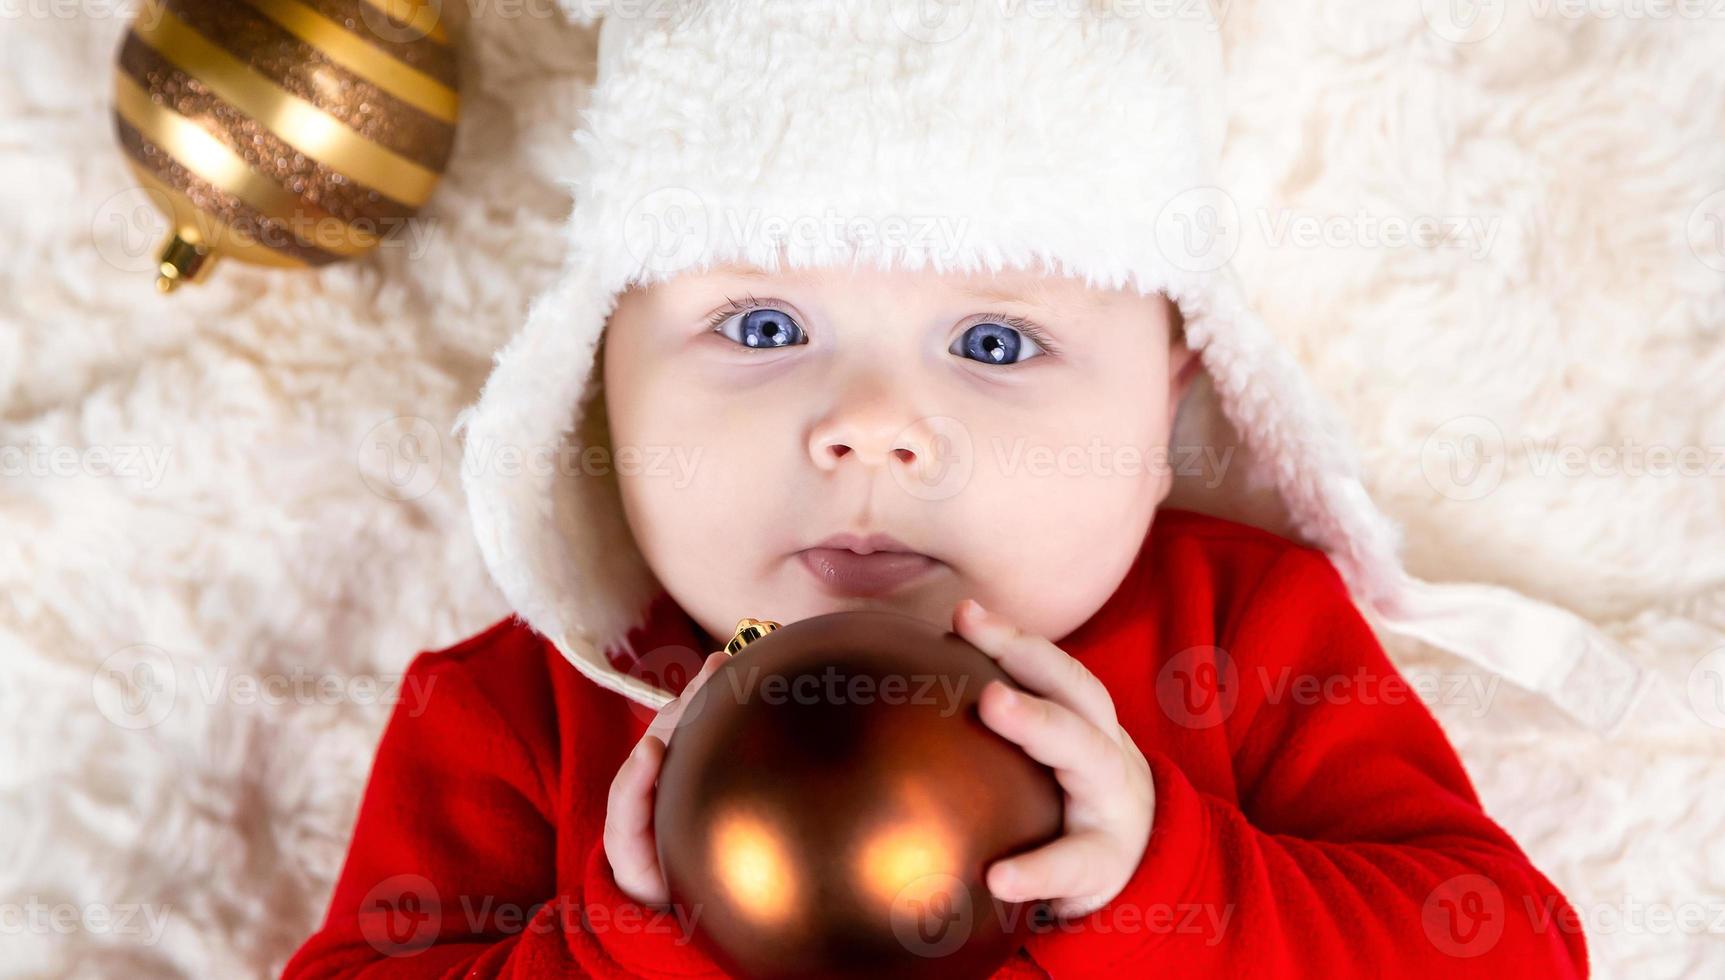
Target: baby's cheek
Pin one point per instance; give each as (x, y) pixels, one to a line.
(1052, 536)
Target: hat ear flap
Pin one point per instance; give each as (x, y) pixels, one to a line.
(1296, 474)
(550, 525)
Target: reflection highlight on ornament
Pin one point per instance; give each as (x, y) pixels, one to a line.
(751, 864)
(913, 850)
(905, 856)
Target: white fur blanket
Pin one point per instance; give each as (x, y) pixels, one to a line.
(1522, 228)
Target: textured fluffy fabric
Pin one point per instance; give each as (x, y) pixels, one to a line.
(273, 545)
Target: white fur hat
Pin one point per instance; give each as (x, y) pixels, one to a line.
(1078, 136)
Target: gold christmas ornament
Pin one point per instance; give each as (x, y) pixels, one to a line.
(831, 801)
(287, 133)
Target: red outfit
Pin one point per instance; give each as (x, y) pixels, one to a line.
(1310, 816)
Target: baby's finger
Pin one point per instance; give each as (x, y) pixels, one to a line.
(1071, 868)
(1036, 663)
(628, 834)
(1083, 758)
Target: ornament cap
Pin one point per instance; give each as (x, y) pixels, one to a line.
(748, 631)
(181, 261)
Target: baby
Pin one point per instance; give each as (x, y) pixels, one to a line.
(914, 302)
(816, 399)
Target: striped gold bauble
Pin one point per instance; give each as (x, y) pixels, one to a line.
(287, 133)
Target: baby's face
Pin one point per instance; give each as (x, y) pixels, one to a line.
(1001, 437)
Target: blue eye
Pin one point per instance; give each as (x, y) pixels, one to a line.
(762, 327)
(995, 343)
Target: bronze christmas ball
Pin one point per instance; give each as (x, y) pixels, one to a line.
(287, 133)
(831, 800)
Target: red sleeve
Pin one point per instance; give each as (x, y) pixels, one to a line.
(452, 870)
(1358, 848)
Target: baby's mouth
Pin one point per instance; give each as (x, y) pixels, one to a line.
(848, 574)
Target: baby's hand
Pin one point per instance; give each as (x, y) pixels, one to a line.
(629, 842)
(1110, 795)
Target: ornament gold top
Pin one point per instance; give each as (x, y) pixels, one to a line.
(181, 261)
(748, 631)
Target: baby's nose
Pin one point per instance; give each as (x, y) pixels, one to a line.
(871, 447)
(930, 457)
(872, 440)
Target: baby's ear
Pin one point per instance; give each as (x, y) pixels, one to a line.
(1184, 365)
(1176, 322)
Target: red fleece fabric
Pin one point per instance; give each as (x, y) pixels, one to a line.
(1311, 818)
